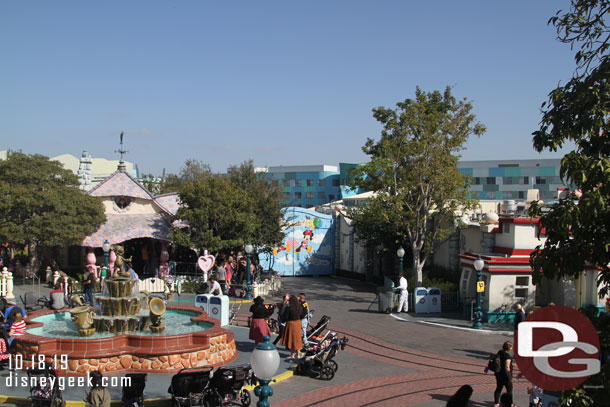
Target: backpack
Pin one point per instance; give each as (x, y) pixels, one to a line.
(493, 364)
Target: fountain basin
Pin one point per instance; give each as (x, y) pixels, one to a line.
(209, 345)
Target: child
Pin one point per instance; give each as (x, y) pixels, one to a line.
(99, 396)
(17, 328)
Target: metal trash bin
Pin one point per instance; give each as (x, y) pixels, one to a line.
(386, 299)
(421, 300)
(434, 295)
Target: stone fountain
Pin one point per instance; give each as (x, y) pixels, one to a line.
(120, 308)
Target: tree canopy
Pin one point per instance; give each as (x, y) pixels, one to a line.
(413, 170)
(577, 227)
(41, 204)
(225, 212)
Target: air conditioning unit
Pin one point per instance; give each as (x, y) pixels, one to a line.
(509, 207)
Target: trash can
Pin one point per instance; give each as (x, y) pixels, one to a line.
(434, 294)
(203, 301)
(219, 308)
(385, 297)
(421, 300)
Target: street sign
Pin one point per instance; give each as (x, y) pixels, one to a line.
(480, 286)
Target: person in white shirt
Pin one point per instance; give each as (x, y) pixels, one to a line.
(403, 303)
(214, 286)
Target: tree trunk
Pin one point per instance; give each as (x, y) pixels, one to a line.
(418, 265)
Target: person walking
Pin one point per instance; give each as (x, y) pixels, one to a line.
(504, 378)
(292, 335)
(403, 303)
(282, 315)
(519, 316)
(258, 322)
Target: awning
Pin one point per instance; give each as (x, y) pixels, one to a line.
(119, 228)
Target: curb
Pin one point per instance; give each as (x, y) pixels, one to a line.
(462, 328)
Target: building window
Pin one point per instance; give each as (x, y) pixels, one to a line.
(309, 195)
(298, 195)
(336, 182)
(286, 195)
(322, 182)
(526, 180)
(477, 181)
(331, 197)
(297, 182)
(522, 286)
(521, 195)
(522, 281)
(321, 195)
(310, 183)
(507, 180)
(540, 180)
(490, 180)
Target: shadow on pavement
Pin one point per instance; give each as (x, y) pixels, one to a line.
(478, 354)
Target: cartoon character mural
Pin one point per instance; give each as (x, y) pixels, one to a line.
(308, 247)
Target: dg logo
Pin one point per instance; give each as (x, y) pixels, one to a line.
(557, 348)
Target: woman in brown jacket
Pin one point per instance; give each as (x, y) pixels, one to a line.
(292, 338)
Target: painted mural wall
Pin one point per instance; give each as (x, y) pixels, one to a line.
(308, 247)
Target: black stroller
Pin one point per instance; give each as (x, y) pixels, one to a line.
(226, 386)
(41, 391)
(188, 387)
(133, 395)
(318, 360)
(315, 333)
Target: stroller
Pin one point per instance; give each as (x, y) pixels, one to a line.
(318, 360)
(188, 387)
(226, 386)
(315, 333)
(133, 395)
(41, 391)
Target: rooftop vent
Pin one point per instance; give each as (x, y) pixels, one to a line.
(509, 207)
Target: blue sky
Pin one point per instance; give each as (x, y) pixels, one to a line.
(283, 83)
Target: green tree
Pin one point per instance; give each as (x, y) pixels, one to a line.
(216, 213)
(41, 205)
(413, 170)
(266, 204)
(577, 228)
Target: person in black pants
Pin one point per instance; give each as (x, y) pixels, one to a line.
(282, 313)
(504, 378)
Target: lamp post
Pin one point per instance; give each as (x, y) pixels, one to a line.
(478, 314)
(106, 248)
(400, 253)
(249, 249)
(265, 361)
(104, 274)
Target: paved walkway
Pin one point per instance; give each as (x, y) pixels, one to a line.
(391, 360)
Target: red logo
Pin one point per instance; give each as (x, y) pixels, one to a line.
(557, 348)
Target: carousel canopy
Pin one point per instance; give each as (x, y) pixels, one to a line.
(119, 228)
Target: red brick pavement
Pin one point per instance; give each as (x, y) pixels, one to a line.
(439, 375)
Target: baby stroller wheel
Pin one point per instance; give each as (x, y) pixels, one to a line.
(245, 398)
(212, 400)
(333, 365)
(327, 373)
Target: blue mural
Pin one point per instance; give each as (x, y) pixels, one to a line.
(308, 247)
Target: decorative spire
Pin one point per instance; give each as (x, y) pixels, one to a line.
(121, 166)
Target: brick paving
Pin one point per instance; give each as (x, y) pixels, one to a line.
(389, 362)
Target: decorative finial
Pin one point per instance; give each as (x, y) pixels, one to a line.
(121, 166)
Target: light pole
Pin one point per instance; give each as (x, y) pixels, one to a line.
(478, 314)
(265, 361)
(106, 248)
(400, 253)
(249, 249)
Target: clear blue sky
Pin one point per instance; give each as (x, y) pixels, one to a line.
(283, 83)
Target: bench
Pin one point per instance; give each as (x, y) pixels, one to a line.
(156, 287)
